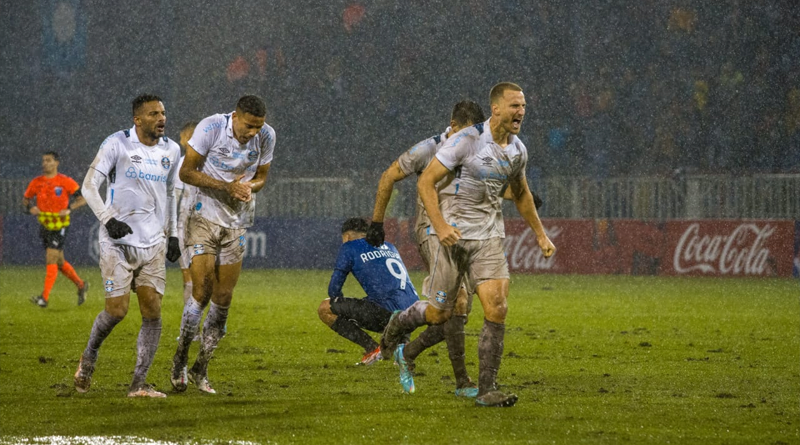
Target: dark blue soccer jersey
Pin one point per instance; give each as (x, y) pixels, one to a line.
(379, 270)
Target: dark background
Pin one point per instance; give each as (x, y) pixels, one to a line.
(614, 87)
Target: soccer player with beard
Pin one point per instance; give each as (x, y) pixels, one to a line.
(52, 191)
(227, 160)
(383, 276)
(466, 217)
(138, 167)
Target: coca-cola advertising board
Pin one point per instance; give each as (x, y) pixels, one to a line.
(632, 247)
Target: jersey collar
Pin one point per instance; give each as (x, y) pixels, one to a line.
(135, 138)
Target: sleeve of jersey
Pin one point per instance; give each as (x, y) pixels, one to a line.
(416, 158)
(523, 160)
(177, 183)
(267, 145)
(29, 192)
(340, 271)
(72, 185)
(451, 153)
(98, 171)
(204, 133)
(172, 203)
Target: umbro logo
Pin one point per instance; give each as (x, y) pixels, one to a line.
(136, 159)
(224, 150)
(486, 161)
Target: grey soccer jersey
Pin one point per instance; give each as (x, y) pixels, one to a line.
(414, 160)
(472, 201)
(226, 159)
(140, 181)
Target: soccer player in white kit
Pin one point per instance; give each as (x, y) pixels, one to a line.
(227, 160)
(139, 167)
(414, 160)
(469, 231)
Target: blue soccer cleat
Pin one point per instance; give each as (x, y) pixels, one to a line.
(406, 379)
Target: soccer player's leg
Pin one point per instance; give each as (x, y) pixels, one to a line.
(346, 316)
(151, 281)
(52, 243)
(202, 270)
(490, 271)
(117, 275)
(455, 339)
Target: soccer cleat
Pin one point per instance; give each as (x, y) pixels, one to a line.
(179, 378)
(406, 379)
(82, 292)
(83, 376)
(371, 357)
(390, 338)
(201, 381)
(39, 301)
(496, 399)
(146, 391)
(470, 391)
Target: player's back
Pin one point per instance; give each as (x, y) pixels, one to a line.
(381, 273)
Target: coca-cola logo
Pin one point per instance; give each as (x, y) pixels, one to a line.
(523, 250)
(743, 251)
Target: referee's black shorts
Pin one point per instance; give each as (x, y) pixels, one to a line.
(53, 239)
(366, 314)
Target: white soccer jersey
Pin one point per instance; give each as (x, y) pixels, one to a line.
(139, 179)
(226, 159)
(472, 201)
(414, 160)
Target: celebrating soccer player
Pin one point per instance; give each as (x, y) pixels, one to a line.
(384, 278)
(52, 191)
(414, 160)
(139, 168)
(469, 231)
(227, 160)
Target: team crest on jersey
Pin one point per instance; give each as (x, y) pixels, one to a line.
(109, 285)
(199, 249)
(252, 156)
(136, 159)
(59, 191)
(441, 297)
(165, 163)
(241, 241)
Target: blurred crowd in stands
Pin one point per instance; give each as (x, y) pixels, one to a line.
(614, 87)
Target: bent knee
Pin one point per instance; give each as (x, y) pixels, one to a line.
(437, 316)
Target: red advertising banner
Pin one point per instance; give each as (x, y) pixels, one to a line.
(701, 247)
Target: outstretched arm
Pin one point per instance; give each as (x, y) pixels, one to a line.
(385, 187)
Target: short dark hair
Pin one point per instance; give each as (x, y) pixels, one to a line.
(189, 126)
(467, 112)
(500, 89)
(253, 105)
(53, 154)
(356, 225)
(142, 99)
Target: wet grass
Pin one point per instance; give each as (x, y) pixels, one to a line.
(597, 359)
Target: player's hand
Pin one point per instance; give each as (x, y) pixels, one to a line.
(375, 234)
(64, 212)
(448, 235)
(117, 229)
(34, 211)
(173, 249)
(537, 201)
(239, 190)
(548, 249)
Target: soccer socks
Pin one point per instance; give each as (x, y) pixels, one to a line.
(350, 331)
(429, 337)
(192, 312)
(51, 273)
(454, 336)
(146, 345)
(213, 331)
(70, 273)
(103, 325)
(412, 318)
(187, 292)
(490, 353)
